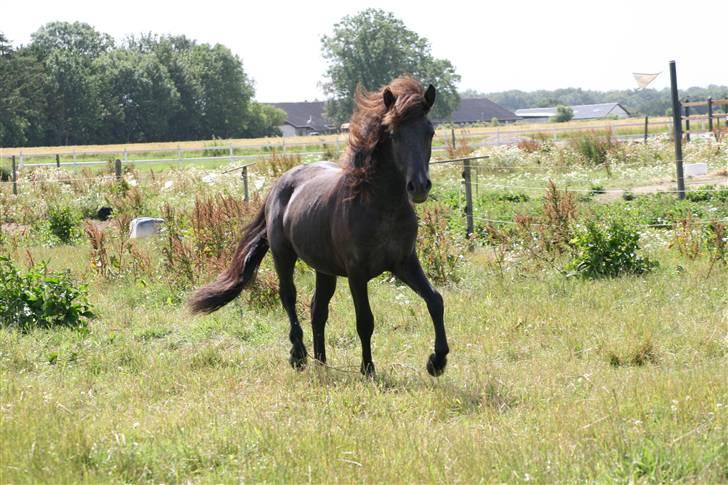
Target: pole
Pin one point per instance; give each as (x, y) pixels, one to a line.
(58, 161)
(452, 136)
(677, 132)
(647, 121)
(710, 115)
(117, 169)
(687, 121)
(468, 197)
(245, 184)
(15, 177)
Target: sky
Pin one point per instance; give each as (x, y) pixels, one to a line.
(494, 46)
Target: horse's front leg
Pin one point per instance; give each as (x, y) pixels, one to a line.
(364, 322)
(410, 272)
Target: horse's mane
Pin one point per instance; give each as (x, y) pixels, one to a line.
(372, 123)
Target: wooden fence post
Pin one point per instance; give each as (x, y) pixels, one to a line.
(468, 198)
(58, 160)
(15, 177)
(647, 121)
(245, 184)
(687, 120)
(117, 169)
(710, 115)
(677, 132)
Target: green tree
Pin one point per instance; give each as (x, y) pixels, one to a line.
(374, 47)
(265, 120)
(563, 113)
(67, 51)
(138, 96)
(22, 106)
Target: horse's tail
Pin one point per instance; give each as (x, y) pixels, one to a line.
(241, 272)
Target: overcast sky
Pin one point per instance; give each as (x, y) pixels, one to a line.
(494, 45)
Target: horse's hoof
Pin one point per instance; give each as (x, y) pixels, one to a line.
(298, 359)
(367, 369)
(436, 364)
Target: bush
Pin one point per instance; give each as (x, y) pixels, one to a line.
(40, 299)
(563, 114)
(607, 253)
(64, 223)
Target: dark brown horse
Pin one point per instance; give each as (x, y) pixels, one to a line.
(354, 220)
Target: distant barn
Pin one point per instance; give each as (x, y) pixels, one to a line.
(581, 112)
(305, 118)
(309, 118)
(479, 110)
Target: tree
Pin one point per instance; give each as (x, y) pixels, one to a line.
(22, 106)
(138, 96)
(563, 113)
(67, 51)
(374, 47)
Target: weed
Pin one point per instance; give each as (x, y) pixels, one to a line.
(40, 298)
(607, 253)
(64, 223)
(438, 251)
(280, 163)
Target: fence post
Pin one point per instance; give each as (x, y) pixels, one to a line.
(117, 169)
(647, 121)
(710, 115)
(468, 197)
(58, 160)
(452, 137)
(15, 177)
(245, 183)
(677, 132)
(687, 120)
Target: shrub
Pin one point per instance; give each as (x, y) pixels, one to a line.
(40, 299)
(607, 253)
(529, 145)
(563, 114)
(64, 222)
(5, 174)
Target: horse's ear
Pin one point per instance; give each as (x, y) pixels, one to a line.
(389, 98)
(430, 96)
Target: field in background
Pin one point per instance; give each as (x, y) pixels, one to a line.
(552, 378)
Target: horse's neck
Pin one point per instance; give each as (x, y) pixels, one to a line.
(387, 182)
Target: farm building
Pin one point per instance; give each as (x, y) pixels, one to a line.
(479, 110)
(304, 118)
(308, 117)
(581, 112)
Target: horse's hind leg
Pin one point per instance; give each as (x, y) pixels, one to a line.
(285, 262)
(325, 286)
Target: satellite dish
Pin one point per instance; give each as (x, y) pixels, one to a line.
(644, 79)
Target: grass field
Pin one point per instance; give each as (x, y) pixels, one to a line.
(551, 378)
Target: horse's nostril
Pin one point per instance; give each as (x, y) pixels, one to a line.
(428, 185)
(410, 186)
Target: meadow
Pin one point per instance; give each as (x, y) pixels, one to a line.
(567, 364)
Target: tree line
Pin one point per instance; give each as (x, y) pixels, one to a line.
(75, 85)
(649, 102)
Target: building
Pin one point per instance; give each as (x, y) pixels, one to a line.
(308, 117)
(479, 110)
(304, 118)
(581, 112)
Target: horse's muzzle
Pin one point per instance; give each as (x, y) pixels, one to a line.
(418, 189)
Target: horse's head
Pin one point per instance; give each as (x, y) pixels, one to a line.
(412, 145)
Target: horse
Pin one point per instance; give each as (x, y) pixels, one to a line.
(354, 219)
